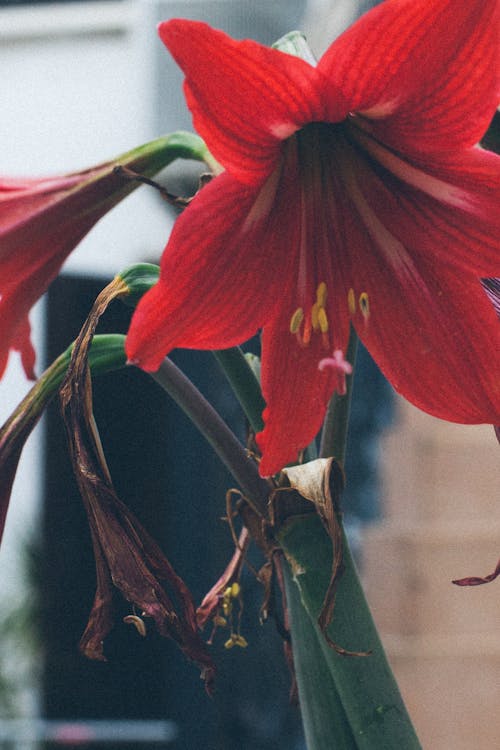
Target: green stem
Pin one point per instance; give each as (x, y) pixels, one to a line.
(216, 431)
(106, 354)
(365, 684)
(325, 722)
(244, 384)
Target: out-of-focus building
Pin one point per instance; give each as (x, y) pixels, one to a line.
(441, 490)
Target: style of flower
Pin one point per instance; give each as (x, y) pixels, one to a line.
(42, 221)
(353, 192)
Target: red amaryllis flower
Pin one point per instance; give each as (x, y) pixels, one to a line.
(353, 192)
(42, 221)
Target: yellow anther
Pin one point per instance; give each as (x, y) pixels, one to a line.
(321, 294)
(235, 589)
(364, 304)
(314, 316)
(240, 641)
(322, 320)
(236, 640)
(296, 320)
(220, 621)
(351, 301)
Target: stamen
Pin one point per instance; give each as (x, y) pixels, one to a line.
(322, 320)
(296, 320)
(321, 294)
(315, 321)
(306, 336)
(314, 316)
(351, 301)
(235, 589)
(236, 639)
(340, 367)
(364, 305)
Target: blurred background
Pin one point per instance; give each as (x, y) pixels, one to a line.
(81, 82)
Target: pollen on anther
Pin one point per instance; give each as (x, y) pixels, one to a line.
(321, 293)
(314, 316)
(322, 320)
(296, 320)
(235, 589)
(364, 304)
(351, 301)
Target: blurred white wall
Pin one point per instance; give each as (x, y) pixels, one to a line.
(71, 83)
(324, 20)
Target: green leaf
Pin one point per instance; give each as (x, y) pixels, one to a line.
(323, 716)
(365, 684)
(244, 383)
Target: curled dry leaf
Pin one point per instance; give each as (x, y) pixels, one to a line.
(128, 560)
(322, 482)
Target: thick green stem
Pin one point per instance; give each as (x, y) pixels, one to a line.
(325, 722)
(244, 384)
(216, 431)
(365, 685)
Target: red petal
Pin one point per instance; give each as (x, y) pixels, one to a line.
(22, 344)
(433, 332)
(426, 74)
(26, 274)
(478, 580)
(427, 320)
(219, 282)
(447, 211)
(296, 392)
(492, 289)
(245, 98)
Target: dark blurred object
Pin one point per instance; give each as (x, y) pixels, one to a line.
(491, 140)
(372, 412)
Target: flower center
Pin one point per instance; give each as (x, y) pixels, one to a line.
(308, 176)
(317, 182)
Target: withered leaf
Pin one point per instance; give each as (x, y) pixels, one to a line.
(322, 482)
(128, 560)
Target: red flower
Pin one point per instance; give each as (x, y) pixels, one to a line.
(353, 192)
(42, 221)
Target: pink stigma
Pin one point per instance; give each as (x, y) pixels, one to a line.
(340, 367)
